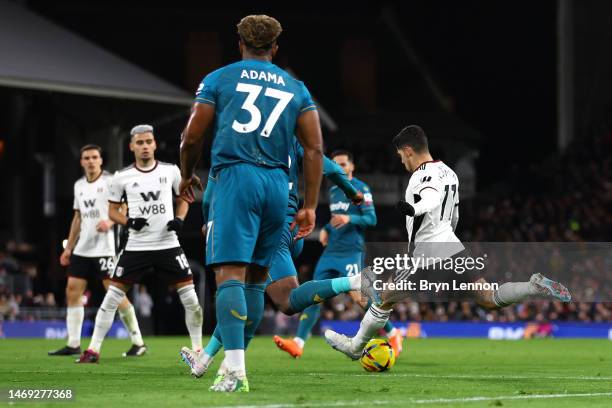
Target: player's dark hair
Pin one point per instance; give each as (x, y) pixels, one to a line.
(91, 146)
(342, 152)
(412, 136)
(259, 32)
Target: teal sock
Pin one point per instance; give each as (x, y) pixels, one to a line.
(214, 344)
(311, 293)
(254, 294)
(341, 285)
(308, 319)
(231, 314)
(388, 326)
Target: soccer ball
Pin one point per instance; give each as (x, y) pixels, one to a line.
(377, 356)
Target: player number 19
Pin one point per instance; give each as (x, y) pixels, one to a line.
(249, 105)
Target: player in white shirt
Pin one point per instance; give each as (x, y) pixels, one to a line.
(431, 208)
(90, 252)
(149, 187)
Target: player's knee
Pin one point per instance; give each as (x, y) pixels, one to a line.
(125, 304)
(285, 307)
(485, 300)
(256, 274)
(189, 298)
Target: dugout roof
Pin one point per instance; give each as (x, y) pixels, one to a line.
(38, 54)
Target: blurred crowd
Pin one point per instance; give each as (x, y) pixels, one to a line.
(18, 269)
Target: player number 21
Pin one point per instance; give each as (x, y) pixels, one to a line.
(249, 105)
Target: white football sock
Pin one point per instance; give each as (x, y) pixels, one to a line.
(299, 341)
(234, 362)
(513, 292)
(128, 317)
(74, 323)
(204, 358)
(193, 315)
(355, 281)
(374, 320)
(222, 368)
(105, 317)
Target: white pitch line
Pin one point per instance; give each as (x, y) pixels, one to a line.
(475, 377)
(422, 401)
(511, 397)
(318, 404)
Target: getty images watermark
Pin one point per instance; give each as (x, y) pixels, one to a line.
(435, 272)
(430, 270)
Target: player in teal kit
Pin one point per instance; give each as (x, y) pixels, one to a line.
(256, 108)
(282, 285)
(344, 241)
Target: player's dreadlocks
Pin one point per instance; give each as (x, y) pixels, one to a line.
(259, 32)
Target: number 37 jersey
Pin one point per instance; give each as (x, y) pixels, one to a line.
(150, 195)
(256, 105)
(435, 225)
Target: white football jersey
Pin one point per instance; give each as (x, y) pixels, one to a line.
(149, 194)
(91, 200)
(434, 226)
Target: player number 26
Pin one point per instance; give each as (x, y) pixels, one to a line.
(253, 92)
(107, 264)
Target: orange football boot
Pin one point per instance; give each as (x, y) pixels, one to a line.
(289, 346)
(396, 342)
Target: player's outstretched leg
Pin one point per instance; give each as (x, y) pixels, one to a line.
(104, 321)
(374, 320)
(393, 334)
(316, 291)
(307, 297)
(295, 347)
(538, 287)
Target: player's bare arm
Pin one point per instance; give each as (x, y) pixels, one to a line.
(192, 140)
(106, 225)
(115, 214)
(309, 135)
(73, 236)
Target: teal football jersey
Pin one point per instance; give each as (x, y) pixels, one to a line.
(351, 237)
(257, 106)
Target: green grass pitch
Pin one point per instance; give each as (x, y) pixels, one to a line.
(430, 373)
